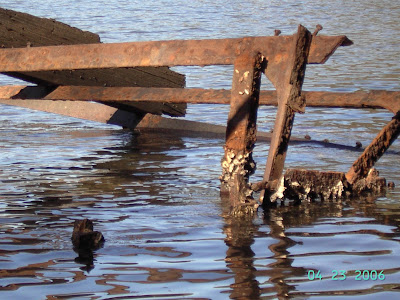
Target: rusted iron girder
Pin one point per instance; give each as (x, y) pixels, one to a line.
(363, 165)
(241, 131)
(159, 53)
(288, 84)
(389, 100)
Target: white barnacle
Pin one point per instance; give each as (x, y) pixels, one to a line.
(246, 91)
(241, 93)
(225, 164)
(279, 194)
(237, 71)
(246, 74)
(339, 188)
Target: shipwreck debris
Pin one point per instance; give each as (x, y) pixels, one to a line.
(83, 78)
(84, 238)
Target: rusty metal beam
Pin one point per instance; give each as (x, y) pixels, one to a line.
(389, 100)
(362, 166)
(241, 131)
(288, 84)
(158, 53)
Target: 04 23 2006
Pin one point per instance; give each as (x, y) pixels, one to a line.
(343, 275)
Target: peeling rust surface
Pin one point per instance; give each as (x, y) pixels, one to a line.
(288, 85)
(241, 133)
(158, 53)
(309, 185)
(389, 100)
(362, 166)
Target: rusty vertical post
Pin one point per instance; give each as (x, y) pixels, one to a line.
(237, 163)
(290, 100)
(361, 167)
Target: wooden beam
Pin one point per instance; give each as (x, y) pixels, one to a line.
(21, 30)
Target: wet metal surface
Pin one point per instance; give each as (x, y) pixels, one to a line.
(288, 86)
(158, 53)
(154, 198)
(358, 99)
(241, 131)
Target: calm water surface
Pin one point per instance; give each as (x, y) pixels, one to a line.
(156, 198)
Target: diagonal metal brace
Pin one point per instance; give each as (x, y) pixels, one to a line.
(288, 84)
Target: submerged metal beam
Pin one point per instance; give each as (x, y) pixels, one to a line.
(159, 53)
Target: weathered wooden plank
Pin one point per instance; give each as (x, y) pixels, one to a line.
(20, 29)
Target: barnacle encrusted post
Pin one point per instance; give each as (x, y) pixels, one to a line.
(287, 75)
(237, 163)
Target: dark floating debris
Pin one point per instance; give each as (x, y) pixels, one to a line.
(83, 236)
(358, 145)
(86, 242)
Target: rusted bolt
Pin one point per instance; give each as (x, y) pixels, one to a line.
(307, 137)
(277, 32)
(318, 28)
(391, 185)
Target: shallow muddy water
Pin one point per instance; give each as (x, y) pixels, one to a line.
(156, 198)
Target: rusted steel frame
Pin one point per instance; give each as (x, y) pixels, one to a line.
(389, 100)
(373, 99)
(288, 84)
(157, 53)
(241, 131)
(362, 166)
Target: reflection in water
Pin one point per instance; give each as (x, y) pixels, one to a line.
(165, 235)
(239, 256)
(289, 226)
